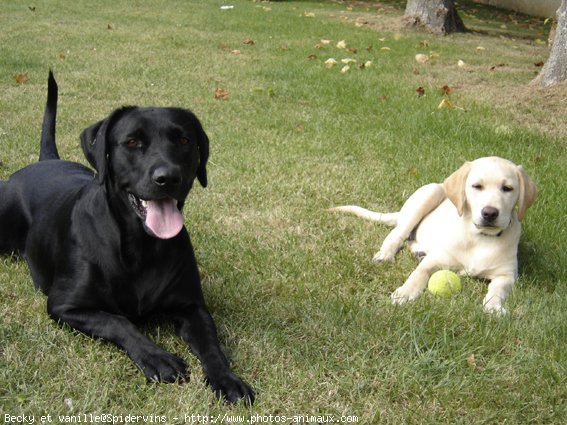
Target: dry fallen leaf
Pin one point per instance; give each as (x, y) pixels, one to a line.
(480, 49)
(385, 49)
(446, 89)
(22, 78)
(446, 103)
(236, 52)
(421, 58)
(348, 60)
(365, 65)
(325, 41)
(352, 50)
(471, 361)
(420, 91)
(341, 44)
(461, 64)
(221, 94)
(312, 57)
(500, 65)
(330, 62)
(249, 41)
(345, 69)
(411, 172)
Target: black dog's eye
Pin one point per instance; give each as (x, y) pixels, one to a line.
(133, 144)
(184, 141)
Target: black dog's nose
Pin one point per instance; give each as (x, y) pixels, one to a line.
(489, 213)
(167, 176)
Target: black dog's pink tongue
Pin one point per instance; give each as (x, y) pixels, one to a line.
(163, 218)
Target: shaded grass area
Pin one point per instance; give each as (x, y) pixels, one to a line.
(303, 314)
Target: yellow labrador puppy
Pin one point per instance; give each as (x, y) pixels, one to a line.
(468, 224)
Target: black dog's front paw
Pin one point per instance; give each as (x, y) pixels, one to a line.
(160, 366)
(231, 388)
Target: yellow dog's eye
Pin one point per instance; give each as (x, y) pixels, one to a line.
(507, 188)
(477, 186)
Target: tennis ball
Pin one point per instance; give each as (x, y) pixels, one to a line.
(444, 283)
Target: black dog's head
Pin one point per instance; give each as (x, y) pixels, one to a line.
(149, 157)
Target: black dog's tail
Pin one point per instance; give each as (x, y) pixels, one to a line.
(48, 148)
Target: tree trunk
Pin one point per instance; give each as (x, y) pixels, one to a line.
(555, 69)
(439, 16)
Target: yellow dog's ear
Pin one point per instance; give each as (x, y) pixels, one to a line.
(454, 186)
(528, 192)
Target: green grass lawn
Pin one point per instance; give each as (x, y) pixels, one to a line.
(303, 314)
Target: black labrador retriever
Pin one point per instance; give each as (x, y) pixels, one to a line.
(110, 249)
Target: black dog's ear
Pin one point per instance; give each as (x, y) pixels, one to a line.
(94, 142)
(203, 158)
(89, 141)
(203, 143)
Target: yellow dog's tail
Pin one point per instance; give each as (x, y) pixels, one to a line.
(390, 219)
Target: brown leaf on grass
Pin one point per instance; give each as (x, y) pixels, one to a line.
(424, 43)
(312, 57)
(249, 42)
(411, 172)
(62, 55)
(421, 58)
(235, 52)
(22, 78)
(330, 62)
(446, 103)
(500, 65)
(471, 361)
(109, 27)
(539, 64)
(221, 94)
(446, 89)
(352, 50)
(420, 91)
